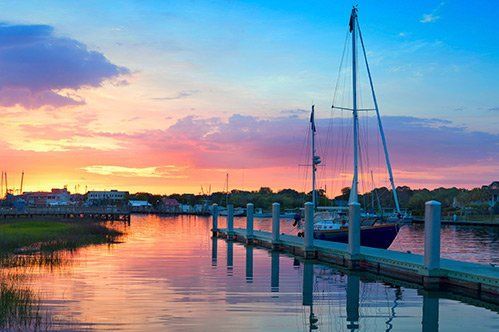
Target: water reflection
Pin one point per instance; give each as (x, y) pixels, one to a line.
(430, 312)
(308, 293)
(353, 288)
(170, 275)
(230, 258)
(274, 275)
(249, 264)
(214, 251)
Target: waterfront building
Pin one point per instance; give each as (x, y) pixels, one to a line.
(494, 193)
(169, 205)
(139, 206)
(111, 197)
(56, 197)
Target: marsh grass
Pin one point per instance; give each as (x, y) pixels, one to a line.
(33, 236)
(32, 244)
(19, 306)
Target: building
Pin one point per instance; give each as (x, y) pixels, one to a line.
(111, 197)
(494, 193)
(169, 205)
(56, 197)
(139, 206)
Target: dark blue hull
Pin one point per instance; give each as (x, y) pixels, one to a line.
(380, 236)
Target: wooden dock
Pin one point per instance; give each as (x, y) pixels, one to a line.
(73, 213)
(471, 279)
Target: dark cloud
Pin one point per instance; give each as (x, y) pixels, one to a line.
(36, 64)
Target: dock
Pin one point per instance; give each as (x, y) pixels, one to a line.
(69, 213)
(429, 271)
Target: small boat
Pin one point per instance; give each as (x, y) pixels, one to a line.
(238, 211)
(403, 216)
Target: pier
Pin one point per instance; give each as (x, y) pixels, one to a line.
(72, 213)
(429, 271)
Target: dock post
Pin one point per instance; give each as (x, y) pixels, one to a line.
(230, 221)
(214, 215)
(249, 222)
(276, 214)
(432, 243)
(354, 233)
(309, 250)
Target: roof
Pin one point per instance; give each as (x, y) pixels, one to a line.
(170, 201)
(137, 203)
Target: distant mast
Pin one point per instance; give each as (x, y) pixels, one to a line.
(227, 190)
(315, 159)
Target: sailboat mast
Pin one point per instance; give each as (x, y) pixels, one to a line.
(313, 163)
(227, 190)
(22, 182)
(380, 126)
(354, 191)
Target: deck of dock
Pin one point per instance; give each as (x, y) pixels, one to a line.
(71, 212)
(471, 279)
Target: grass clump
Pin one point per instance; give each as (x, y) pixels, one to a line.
(21, 236)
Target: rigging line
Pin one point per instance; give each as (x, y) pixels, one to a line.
(387, 157)
(341, 64)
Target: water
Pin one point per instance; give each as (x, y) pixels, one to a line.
(169, 275)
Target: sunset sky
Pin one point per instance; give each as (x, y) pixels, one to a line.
(168, 96)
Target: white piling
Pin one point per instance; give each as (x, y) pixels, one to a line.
(309, 227)
(432, 235)
(214, 215)
(230, 220)
(276, 214)
(249, 221)
(354, 230)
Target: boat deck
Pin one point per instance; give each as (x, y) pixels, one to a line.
(473, 279)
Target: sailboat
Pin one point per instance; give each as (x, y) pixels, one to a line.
(332, 225)
(238, 211)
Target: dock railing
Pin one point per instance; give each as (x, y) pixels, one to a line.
(428, 270)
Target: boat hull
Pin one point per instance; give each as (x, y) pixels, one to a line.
(378, 236)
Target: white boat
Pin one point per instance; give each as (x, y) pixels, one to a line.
(238, 211)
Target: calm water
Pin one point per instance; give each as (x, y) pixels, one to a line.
(169, 275)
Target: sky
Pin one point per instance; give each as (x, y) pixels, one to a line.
(169, 96)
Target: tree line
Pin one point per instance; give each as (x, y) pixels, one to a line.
(452, 199)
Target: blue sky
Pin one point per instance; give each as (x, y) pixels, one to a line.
(284, 54)
(126, 71)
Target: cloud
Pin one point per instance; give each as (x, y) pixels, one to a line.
(429, 18)
(295, 112)
(37, 66)
(180, 95)
(169, 171)
(252, 142)
(493, 109)
(433, 16)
